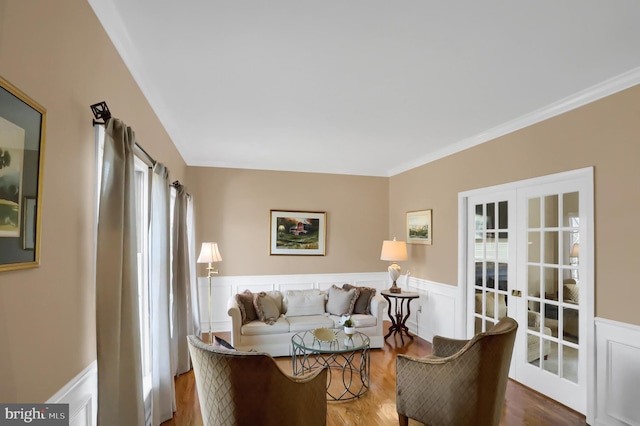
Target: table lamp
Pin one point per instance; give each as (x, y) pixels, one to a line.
(394, 251)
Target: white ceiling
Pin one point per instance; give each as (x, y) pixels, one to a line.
(366, 87)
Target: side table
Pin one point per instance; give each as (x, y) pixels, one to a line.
(399, 318)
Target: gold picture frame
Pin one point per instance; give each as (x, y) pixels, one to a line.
(419, 230)
(22, 140)
(298, 233)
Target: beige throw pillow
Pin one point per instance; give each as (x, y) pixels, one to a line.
(266, 308)
(341, 301)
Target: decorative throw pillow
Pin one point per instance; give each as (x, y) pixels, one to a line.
(363, 302)
(571, 292)
(219, 343)
(341, 302)
(266, 308)
(245, 303)
(311, 303)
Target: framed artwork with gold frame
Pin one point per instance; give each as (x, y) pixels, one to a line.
(298, 233)
(22, 139)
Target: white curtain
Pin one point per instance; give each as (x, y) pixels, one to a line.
(183, 323)
(191, 231)
(163, 390)
(120, 400)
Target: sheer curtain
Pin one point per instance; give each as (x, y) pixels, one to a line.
(163, 390)
(120, 400)
(183, 302)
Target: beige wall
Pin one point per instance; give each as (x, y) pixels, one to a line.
(57, 53)
(232, 207)
(604, 134)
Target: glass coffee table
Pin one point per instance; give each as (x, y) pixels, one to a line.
(347, 361)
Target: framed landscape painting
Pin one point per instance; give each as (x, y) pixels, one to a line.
(298, 233)
(419, 227)
(22, 134)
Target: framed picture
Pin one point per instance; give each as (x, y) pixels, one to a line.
(419, 227)
(298, 233)
(22, 137)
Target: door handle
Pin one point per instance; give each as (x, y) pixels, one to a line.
(516, 293)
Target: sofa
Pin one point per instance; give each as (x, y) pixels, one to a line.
(266, 321)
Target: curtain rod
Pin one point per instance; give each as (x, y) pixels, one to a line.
(101, 112)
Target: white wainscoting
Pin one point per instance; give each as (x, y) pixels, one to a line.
(436, 311)
(224, 287)
(618, 373)
(81, 393)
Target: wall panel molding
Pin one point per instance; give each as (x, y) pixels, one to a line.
(81, 393)
(618, 373)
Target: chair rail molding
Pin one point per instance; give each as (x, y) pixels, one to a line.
(617, 373)
(81, 393)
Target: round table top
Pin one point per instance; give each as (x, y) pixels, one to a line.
(307, 341)
(403, 295)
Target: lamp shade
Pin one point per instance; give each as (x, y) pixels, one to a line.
(575, 250)
(209, 253)
(393, 251)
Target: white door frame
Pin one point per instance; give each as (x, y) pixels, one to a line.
(461, 321)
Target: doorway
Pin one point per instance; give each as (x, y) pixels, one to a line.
(528, 254)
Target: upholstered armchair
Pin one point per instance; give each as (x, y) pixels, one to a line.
(246, 388)
(463, 382)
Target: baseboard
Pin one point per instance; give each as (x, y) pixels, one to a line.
(618, 373)
(81, 393)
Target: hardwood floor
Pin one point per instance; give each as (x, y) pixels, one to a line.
(377, 407)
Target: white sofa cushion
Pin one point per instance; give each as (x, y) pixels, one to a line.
(257, 328)
(309, 322)
(304, 304)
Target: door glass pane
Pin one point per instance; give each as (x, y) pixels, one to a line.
(490, 248)
(551, 211)
(567, 248)
(503, 215)
(503, 246)
(491, 274)
(570, 208)
(534, 213)
(534, 247)
(550, 283)
(570, 325)
(551, 247)
(533, 281)
(550, 362)
(479, 274)
(479, 217)
(479, 302)
(570, 363)
(491, 216)
(502, 276)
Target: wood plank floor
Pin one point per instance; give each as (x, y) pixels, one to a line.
(377, 407)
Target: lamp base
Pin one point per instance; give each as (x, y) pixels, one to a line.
(395, 289)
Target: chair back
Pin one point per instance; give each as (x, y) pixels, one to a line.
(248, 388)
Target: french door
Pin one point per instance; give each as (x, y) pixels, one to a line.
(529, 251)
